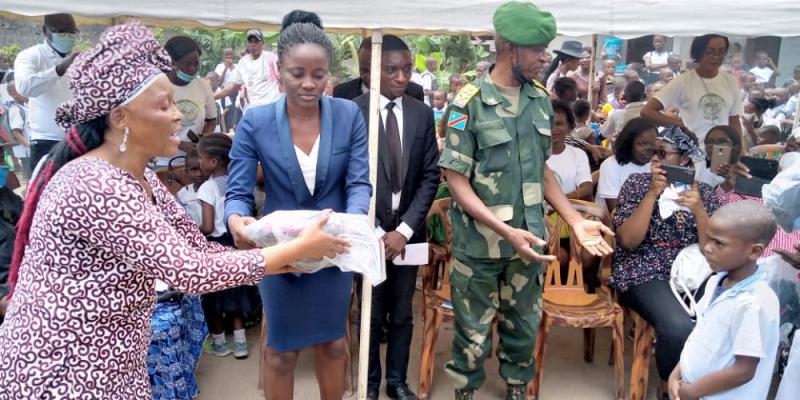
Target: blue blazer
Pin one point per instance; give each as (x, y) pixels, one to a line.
(263, 135)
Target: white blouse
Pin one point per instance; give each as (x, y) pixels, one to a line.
(308, 164)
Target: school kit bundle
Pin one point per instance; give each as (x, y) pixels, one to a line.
(365, 256)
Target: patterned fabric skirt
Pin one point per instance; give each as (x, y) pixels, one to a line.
(178, 332)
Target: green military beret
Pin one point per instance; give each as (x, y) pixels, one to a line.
(524, 24)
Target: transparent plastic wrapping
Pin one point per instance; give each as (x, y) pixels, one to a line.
(785, 282)
(365, 256)
(782, 196)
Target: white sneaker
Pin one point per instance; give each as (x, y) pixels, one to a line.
(240, 349)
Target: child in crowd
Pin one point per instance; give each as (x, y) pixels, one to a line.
(730, 354)
(187, 196)
(19, 124)
(213, 150)
(582, 111)
(439, 107)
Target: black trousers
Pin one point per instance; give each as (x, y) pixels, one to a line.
(655, 302)
(39, 149)
(391, 304)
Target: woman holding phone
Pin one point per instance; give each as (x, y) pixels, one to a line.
(647, 244)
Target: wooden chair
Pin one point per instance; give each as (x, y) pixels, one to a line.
(174, 177)
(642, 345)
(436, 295)
(768, 151)
(568, 304)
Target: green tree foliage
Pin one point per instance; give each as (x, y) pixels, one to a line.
(456, 54)
(10, 52)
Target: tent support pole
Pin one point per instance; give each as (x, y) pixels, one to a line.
(592, 73)
(366, 285)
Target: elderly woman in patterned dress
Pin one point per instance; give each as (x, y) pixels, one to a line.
(99, 228)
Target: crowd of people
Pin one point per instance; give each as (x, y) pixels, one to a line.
(131, 255)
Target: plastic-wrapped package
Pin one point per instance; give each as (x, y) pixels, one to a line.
(366, 254)
(782, 195)
(785, 282)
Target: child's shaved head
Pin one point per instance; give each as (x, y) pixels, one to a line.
(751, 221)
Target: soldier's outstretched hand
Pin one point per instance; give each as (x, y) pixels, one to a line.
(522, 241)
(590, 235)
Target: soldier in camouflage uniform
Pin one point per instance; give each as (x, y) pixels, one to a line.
(496, 144)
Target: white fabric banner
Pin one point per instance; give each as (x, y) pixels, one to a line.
(624, 19)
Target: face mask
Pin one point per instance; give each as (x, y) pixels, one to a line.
(184, 76)
(63, 42)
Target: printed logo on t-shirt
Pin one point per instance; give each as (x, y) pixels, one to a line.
(711, 104)
(190, 111)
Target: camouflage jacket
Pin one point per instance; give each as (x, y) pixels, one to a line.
(503, 155)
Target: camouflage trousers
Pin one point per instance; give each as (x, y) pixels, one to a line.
(510, 290)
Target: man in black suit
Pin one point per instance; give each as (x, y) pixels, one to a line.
(407, 181)
(356, 87)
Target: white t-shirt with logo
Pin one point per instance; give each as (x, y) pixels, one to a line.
(571, 166)
(259, 77)
(703, 103)
(763, 75)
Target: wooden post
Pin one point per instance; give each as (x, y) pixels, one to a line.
(592, 69)
(366, 285)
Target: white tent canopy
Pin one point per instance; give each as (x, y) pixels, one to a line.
(624, 19)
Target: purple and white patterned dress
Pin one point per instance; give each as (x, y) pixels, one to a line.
(79, 323)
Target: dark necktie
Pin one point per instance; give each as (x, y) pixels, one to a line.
(395, 149)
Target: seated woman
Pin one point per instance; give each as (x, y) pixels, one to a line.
(720, 135)
(647, 244)
(632, 152)
(571, 167)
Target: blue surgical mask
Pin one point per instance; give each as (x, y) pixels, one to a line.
(63, 42)
(184, 76)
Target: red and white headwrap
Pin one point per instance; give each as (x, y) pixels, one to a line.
(126, 60)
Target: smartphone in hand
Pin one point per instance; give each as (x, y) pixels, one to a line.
(678, 174)
(720, 154)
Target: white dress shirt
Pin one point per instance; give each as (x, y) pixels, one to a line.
(403, 228)
(36, 78)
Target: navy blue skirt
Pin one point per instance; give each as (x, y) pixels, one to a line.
(305, 310)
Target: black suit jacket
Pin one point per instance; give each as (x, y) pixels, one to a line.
(420, 172)
(352, 89)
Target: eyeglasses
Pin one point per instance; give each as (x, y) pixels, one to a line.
(661, 153)
(715, 53)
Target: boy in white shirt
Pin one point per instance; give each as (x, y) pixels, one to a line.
(765, 69)
(730, 354)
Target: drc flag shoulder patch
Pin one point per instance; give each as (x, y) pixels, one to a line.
(457, 120)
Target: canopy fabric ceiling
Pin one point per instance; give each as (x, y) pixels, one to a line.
(624, 19)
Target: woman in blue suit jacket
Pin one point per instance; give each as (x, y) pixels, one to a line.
(313, 153)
